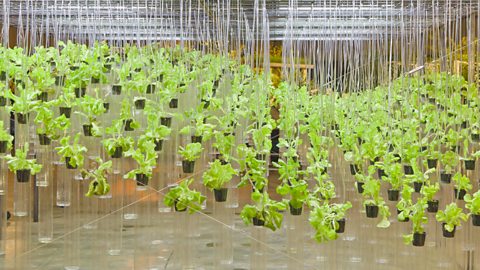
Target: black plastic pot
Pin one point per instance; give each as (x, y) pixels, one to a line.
(67, 111)
(87, 130)
(95, 80)
(43, 96)
(116, 90)
(419, 239)
(295, 211)
(360, 187)
(459, 194)
(44, 139)
(22, 118)
(261, 156)
(381, 173)
(446, 233)
(142, 179)
(469, 164)
(455, 148)
(375, 160)
(173, 104)
(158, 145)
(3, 146)
(464, 125)
(354, 169)
(393, 195)
(128, 124)
(58, 80)
(417, 186)
(3, 76)
(407, 219)
(140, 104)
(341, 226)
(117, 153)
(188, 166)
(475, 220)
(23, 176)
(372, 211)
(446, 177)
(432, 206)
(432, 163)
(166, 121)
(3, 101)
(176, 207)
(206, 103)
(67, 163)
(197, 139)
(80, 92)
(258, 222)
(220, 194)
(150, 88)
(408, 170)
(106, 105)
(475, 137)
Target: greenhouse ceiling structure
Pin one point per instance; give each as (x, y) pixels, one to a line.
(239, 134)
(308, 20)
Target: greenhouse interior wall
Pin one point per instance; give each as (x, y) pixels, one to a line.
(239, 134)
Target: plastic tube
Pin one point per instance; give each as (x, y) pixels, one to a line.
(114, 241)
(257, 251)
(3, 204)
(72, 222)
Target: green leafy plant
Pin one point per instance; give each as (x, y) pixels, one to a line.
(394, 175)
(66, 99)
(5, 136)
(418, 218)
(462, 182)
(218, 175)
(21, 162)
(472, 203)
(199, 124)
(264, 209)
(224, 143)
(118, 139)
(91, 108)
(324, 219)
(405, 203)
(298, 191)
(429, 191)
(372, 197)
(191, 151)
(450, 161)
(98, 185)
(155, 131)
(288, 170)
(126, 115)
(354, 157)
(26, 99)
(73, 152)
(261, 137)
(452, 216)
(47, 124)
(182, 197)
(145, 156)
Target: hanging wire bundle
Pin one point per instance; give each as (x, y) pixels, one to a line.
(255, 134)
